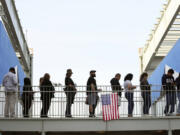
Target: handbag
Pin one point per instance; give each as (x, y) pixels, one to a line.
(86, 102)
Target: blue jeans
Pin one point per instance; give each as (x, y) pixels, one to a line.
(170, 101)
(129, 96)
(147, 102)
(178, 110)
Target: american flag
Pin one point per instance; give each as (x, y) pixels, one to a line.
(110, 106)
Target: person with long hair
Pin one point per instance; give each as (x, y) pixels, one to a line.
(146, 93)
(27, 96)
(129, 93)
(47, 93)
(41, 80)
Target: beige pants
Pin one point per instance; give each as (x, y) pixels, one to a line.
(9, 110)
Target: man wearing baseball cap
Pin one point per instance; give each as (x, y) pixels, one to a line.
(70, 91)
(92, 95)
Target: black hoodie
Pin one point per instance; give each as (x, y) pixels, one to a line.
(168, 83)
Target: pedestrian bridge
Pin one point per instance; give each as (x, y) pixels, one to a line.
(166, 125)
(56, 123)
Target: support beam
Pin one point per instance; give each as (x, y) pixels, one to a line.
(160, 33)
(15, 32)
(1, 11)
(90, 125)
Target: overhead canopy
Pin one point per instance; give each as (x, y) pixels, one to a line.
(162, 38)
(171, 60)
(10, 19)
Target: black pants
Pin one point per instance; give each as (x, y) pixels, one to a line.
(170, 101)
(129, 96)
(46, 102)
(69, 101)
(26, 106)
(147, 102)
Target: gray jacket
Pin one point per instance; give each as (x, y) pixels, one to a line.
(10, 82)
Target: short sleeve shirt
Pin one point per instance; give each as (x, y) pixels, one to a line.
(68, 81)
(90, 81)
(115, 85)
(126, 83)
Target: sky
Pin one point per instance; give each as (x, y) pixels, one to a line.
(87, 34)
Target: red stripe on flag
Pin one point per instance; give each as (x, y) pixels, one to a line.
(111, 111)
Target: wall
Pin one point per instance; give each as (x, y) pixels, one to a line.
(8, 57)
(172, 60)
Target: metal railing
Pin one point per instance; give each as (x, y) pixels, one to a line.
(79, 108)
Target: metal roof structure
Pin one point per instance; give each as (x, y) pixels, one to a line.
(10, 18)
(162, 38)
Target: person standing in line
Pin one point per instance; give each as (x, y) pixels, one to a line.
(41, 80)
(70, 91)
(47, 93)
(27, 97)
(178, 93)
(168, 84)
(129, 93)
(10, 83)
(116, 87)
(92, 93)
(146, 93)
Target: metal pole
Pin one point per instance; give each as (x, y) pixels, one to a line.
(169, 132)
(44, 133)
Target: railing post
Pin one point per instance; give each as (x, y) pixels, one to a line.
(170, 129)
(169, 132)
(43, 133)
(154, 109)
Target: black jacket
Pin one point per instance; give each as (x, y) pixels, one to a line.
(69, 81)
(90, 81)
(47, 90)
(115, 85)
(27, 93)
(178, 83)
(145, 87)
(168, 83)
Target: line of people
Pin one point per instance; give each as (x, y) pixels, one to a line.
(47, 92)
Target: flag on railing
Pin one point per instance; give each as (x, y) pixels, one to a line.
(110, 106)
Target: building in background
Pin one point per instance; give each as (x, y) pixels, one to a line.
(14, 51)
(162, 50)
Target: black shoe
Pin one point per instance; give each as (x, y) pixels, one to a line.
(68, 116)
(91, 115)
(44, 116)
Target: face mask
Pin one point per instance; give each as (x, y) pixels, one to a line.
(93, 75)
